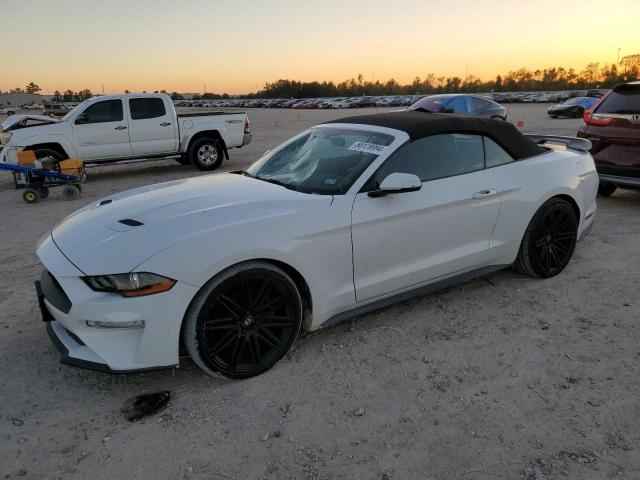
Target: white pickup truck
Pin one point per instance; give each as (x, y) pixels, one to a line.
(119, 128)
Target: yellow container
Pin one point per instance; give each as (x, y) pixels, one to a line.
(26, 157)
(71, 166)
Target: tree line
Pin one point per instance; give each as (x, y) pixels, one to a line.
(556, 78)
(593, 75)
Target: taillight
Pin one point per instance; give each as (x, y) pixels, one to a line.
(589, 119)
(247, 126)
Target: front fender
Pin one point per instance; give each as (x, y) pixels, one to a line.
(60, 139)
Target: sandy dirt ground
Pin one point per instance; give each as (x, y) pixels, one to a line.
(504, 377)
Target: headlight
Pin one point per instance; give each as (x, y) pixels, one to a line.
(130, 284)
(5, 137)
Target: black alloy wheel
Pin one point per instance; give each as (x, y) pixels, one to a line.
(247, 322)
(549, 241)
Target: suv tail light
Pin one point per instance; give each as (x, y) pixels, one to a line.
(589, 119)
(247, 126)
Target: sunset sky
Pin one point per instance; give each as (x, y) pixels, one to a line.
(234, 46)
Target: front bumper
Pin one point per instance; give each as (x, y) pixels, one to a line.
(116, 350)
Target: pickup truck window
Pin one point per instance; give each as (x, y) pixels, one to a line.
(107, 111)
(142, 108)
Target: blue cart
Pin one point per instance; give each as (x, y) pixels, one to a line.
(36, 181)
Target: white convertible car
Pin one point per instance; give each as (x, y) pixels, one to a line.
(346, 217)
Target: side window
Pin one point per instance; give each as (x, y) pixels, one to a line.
(142, 108)
(434, 157)
(495, 154)
(478, 104)
(107, 111)
(458, 104)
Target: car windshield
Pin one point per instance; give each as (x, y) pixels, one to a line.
(322, 160)
(433, 104)
(71, 111)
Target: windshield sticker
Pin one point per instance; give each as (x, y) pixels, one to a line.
(330, 180)
(365, 147)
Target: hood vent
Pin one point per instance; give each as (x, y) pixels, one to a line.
(130, 222)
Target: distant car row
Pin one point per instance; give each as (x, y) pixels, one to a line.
(377, 101)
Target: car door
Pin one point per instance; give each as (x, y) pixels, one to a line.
(101, 131)
(407, 239)
(152, 129)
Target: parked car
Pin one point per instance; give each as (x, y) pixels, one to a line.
(613, 126)
(7, 111)
(573, 108)
(464, 104)
(56, 109)
(333, 223)
(133, 126)
(363, 102)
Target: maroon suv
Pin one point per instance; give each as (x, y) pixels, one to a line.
(613, 126)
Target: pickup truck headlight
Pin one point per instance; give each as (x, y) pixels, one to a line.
(5, 137)
(130, 284)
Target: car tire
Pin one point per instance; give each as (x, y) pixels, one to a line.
(206, 154)
(51, 114)
(607, 189)
(549, 240)
(44, 192)
(10, 112)
(243, 321)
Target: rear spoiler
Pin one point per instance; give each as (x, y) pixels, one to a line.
(572, 143)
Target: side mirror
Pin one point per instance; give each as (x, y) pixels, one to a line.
(397, 183)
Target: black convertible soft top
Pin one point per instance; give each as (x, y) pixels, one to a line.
(422, 124)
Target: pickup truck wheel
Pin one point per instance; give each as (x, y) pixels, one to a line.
(206, 154)
(48, 152)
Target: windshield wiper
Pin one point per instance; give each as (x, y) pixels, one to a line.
(277, 182)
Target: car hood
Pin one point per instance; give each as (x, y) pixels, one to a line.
(562, 106)
(14, 119)
(121, 231)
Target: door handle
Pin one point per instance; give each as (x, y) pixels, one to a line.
(121, 127)
(165, 124)
(484, 194)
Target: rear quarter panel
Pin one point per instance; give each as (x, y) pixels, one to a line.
(529, 183)
(230, 127)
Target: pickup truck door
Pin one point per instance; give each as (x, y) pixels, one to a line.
(152, 126)
(101, 131)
